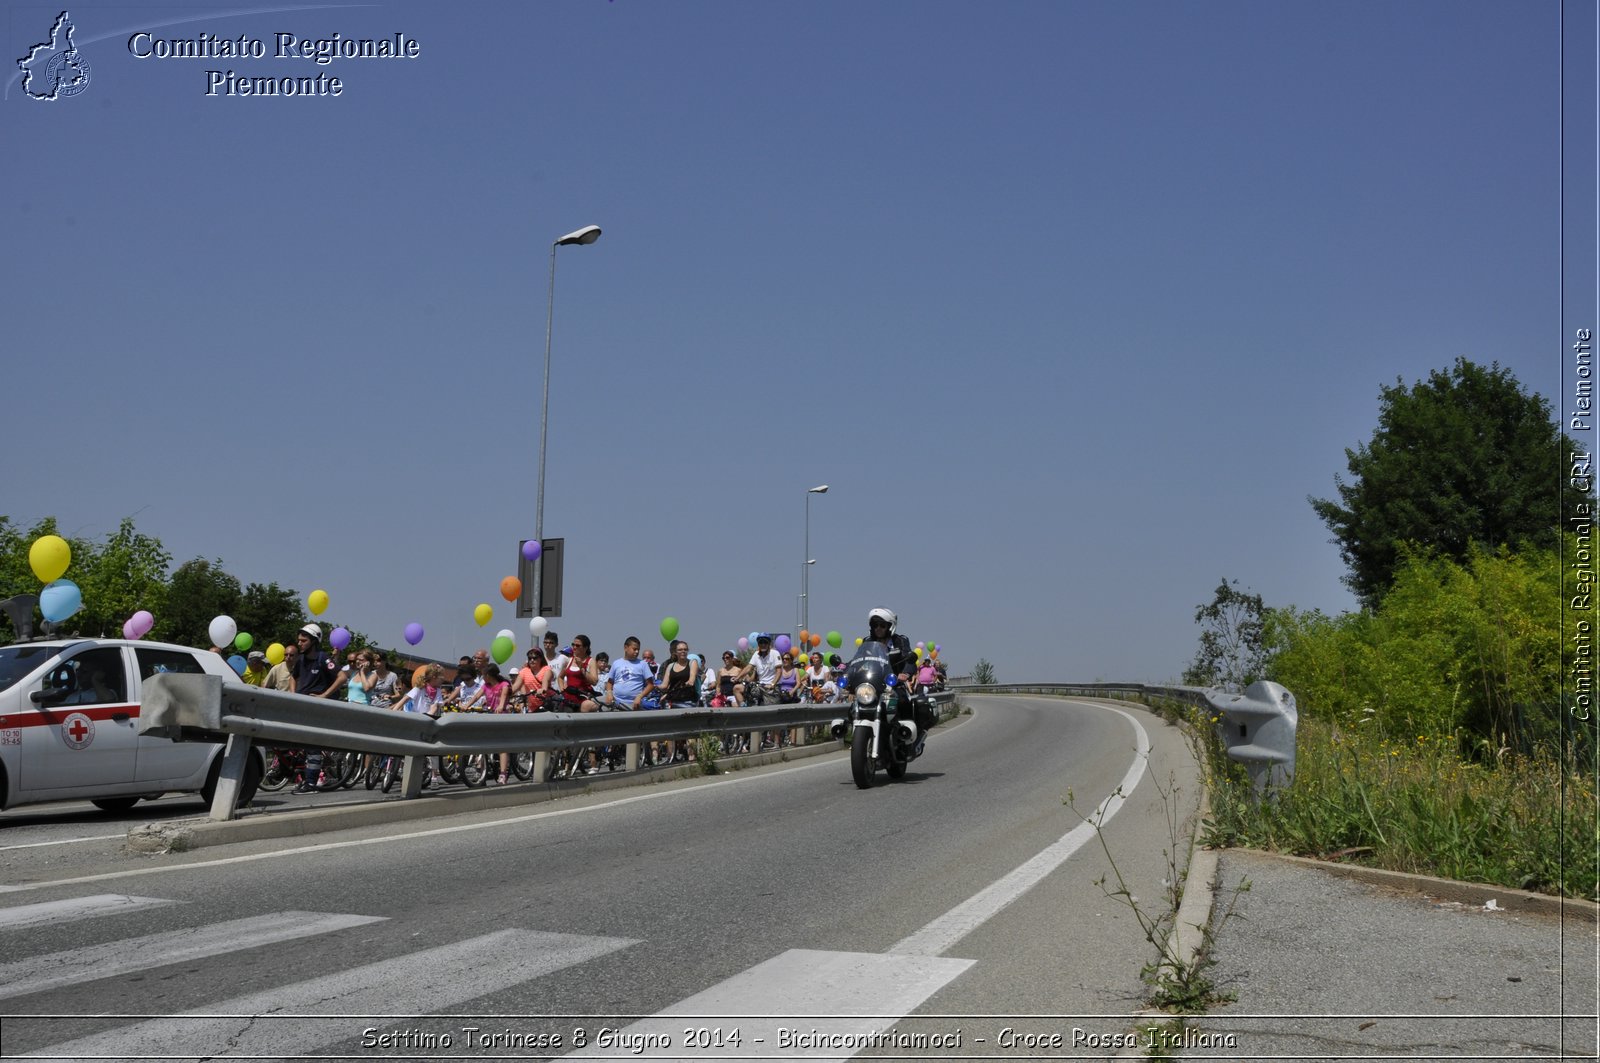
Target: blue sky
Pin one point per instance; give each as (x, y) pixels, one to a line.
(1071, 304)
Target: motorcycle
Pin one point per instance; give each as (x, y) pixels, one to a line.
(884, 717)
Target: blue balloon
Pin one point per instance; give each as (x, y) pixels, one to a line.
(237, 663)
(60, 600)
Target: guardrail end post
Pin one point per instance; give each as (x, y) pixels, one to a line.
(235, 757)
(541, 765)
(631, 757)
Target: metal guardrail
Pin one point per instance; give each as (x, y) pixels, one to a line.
(186, 707)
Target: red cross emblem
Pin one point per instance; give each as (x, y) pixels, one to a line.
(77, 730)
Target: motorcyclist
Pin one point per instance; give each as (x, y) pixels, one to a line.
(902, 660)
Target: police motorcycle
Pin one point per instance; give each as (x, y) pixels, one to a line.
(884, 715)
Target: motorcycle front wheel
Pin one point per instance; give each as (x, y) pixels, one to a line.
(861, 765)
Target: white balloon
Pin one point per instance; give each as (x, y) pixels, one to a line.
(505, 633)
(223, 629)
(537, 627)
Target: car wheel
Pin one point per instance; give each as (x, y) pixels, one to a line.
(114, 804)
(247, 786)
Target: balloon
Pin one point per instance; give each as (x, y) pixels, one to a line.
(482, 613)
(242, 642)
(669, 628)
(142, 622)
(511, 588)
(755, 637)
(835, 639)
(802, 659)
(501, 648)
(339, 638)
(805, 636)
(921, 646)
(537, 627)
(237, 663)
(744, 643)
(50, 555)
(317, 601)
(413, 633)
(127, 630)
(275, 653)
(816, 640)
(222, 631)
(858, 641)
(531, 549)
(782, 644)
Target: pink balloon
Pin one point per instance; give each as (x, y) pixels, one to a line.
(744, 643)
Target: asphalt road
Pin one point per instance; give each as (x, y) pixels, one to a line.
(958, 903)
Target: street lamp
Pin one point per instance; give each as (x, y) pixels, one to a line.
(805, 569)
(586, 235)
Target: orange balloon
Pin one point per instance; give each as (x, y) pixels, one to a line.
(511, 588)
(816, 640)
(805, 636)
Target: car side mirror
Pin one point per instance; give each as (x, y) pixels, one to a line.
(49, 696)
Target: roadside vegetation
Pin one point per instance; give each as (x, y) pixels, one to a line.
(1434, 737)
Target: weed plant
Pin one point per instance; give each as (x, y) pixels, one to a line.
(1415, 803)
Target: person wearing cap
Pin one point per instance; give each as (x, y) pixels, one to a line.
(313, 675)
(762, 667)
(255, 669)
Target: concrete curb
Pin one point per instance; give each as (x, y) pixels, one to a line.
(261, 825)
(1473, 894)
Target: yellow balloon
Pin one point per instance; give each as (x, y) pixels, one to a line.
(275, 653)
(49, 555)
(483, 614)
(318, 601)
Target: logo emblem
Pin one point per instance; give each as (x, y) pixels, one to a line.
(77, 731)
(55, 69)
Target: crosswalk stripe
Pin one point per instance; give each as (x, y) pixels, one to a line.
(73, 909)
(90, 962)
(834, 1002)
(420, 983)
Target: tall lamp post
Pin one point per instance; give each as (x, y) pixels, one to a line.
(586, 235)
(805, 569)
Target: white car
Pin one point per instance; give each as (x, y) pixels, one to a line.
(69, 725)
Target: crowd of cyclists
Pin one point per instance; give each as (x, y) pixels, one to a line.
(553, 678)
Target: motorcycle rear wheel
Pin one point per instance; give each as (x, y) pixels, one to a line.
(861, 766)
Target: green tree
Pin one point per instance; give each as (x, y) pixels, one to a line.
(125, 574)
(1465, 457)
(1232, 653)
(983, 672)
(270, 613)
(199, 592)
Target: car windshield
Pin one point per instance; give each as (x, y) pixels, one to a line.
(17, 662)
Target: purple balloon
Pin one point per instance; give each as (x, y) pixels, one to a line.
(744, 643)
(531, 549)
(413, 633)
(142, 622)
(128, 631)
(782, 644)
(339, 638)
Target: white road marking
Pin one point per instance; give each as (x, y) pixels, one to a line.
(389, 838)
(75, 908)
(860, 994)
(964, 918)
(303, 1017)
(65, 841)
(88, 963)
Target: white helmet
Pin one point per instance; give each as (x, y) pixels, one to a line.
(314, 631)
(886, 615)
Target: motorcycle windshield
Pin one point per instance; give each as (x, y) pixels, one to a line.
(869, 665)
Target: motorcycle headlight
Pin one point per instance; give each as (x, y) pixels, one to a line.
(866, 693)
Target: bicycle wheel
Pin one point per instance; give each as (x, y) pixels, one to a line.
(522, 765)
(374, 773)
(277, 774)
(475, 771)
(450, 768)
(391, 773)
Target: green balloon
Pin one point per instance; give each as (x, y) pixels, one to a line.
(835, 639)
(669, 628)
(501, 649)
(242, 642)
